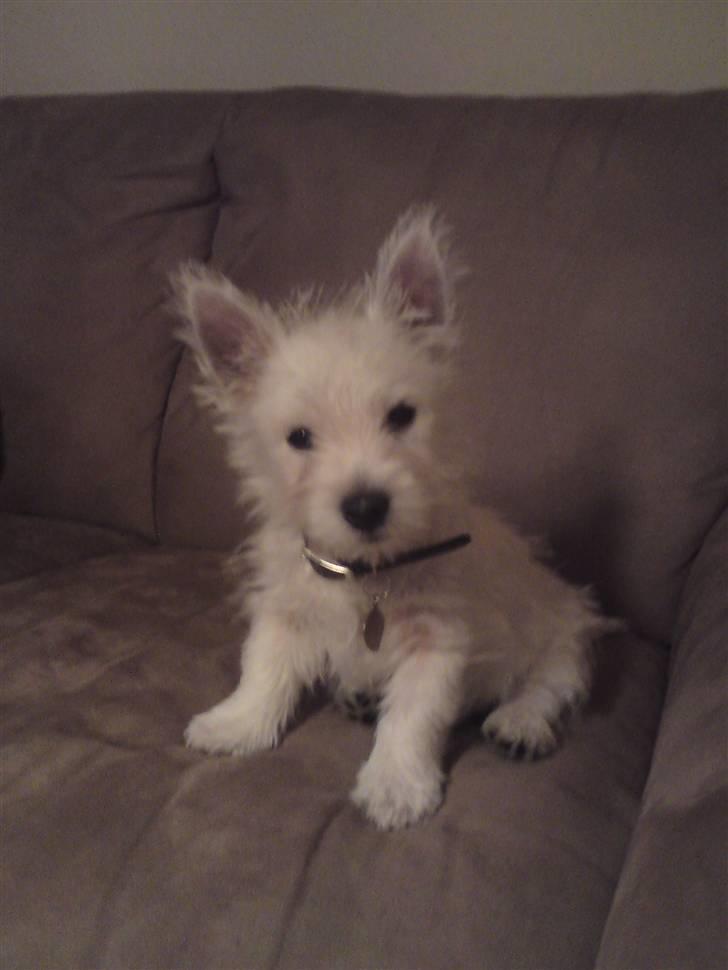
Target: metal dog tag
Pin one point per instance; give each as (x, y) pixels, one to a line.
(373, 627)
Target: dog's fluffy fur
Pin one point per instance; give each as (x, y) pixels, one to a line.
(360, 384)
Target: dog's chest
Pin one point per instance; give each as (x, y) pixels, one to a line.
(356, 627)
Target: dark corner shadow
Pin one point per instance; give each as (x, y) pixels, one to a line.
(610, 661)
(586, 552)
(464, 736)
(312, 702)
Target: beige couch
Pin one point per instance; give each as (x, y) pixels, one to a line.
(593, 406)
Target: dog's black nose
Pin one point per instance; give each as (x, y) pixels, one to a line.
(366, 510)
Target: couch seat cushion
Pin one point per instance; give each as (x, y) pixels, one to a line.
(123, 849)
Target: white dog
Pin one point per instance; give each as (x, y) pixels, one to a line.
(370, 569)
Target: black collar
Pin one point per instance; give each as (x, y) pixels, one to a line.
(337, 569)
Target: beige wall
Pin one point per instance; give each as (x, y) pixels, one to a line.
(478, 46)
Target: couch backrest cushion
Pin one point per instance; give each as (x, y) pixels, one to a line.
(99, 199)
(593, 395)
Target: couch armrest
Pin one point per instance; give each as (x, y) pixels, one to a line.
(669, 909)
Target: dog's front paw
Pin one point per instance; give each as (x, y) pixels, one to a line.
(222, 731)
(521, 732)
(393, 803)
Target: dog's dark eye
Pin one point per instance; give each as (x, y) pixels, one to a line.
(400, 416)
(301, 439)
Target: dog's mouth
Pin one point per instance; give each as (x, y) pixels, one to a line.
(372, 539)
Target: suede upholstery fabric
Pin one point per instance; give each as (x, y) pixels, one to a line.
(592, 409)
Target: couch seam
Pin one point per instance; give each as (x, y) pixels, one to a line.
(158, 446)
(181, 352)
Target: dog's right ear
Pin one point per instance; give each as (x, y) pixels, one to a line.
(229, 332)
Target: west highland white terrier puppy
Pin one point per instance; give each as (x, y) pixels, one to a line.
(370, 569)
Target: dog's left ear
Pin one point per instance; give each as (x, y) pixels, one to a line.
(413, 277)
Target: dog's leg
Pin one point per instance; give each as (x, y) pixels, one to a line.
(527, 725)
(402, 780)
(276, 666)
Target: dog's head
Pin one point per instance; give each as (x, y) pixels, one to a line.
(330, 411)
